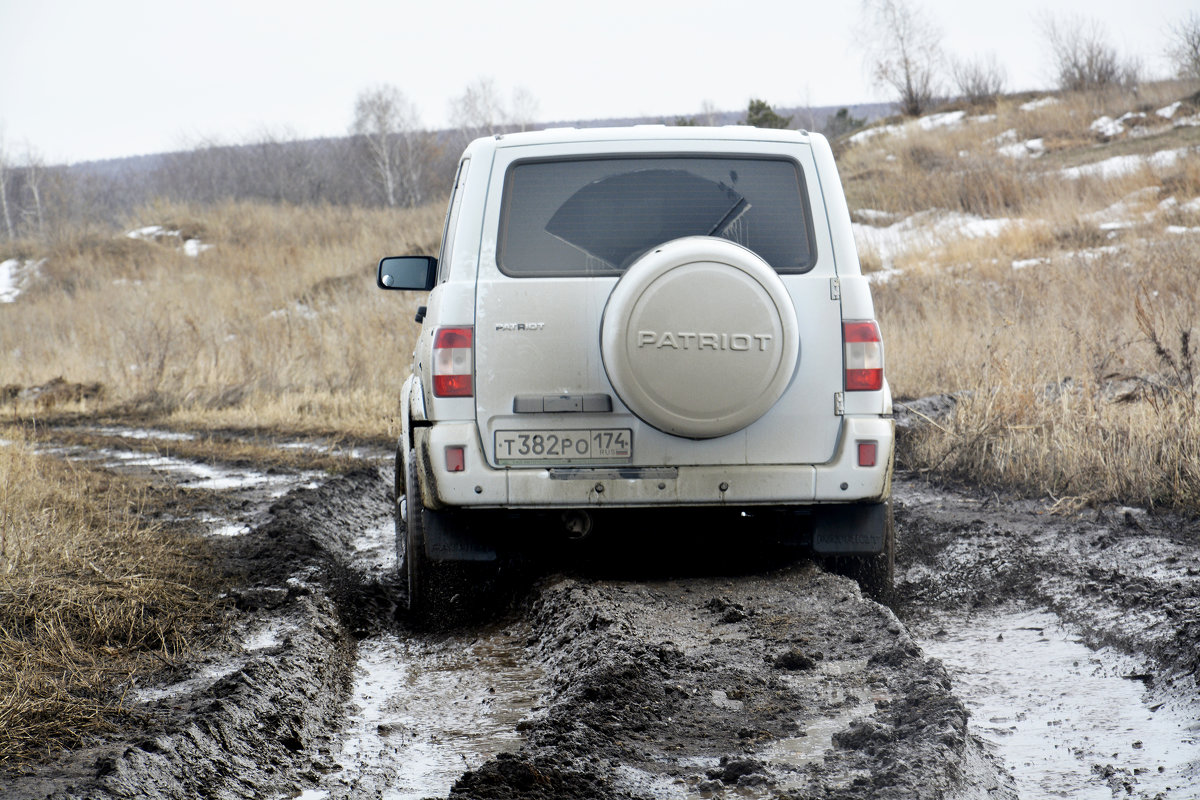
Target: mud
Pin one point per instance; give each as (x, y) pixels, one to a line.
(806, 690)
(1073, 637)
(617, 671)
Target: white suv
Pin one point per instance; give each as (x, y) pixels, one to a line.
(636, 318)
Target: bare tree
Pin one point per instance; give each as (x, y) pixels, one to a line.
(388, 125)
(524, 109)
(478, 111)
(978, 80)
(709, 115)
(5, 168)
(1083, 57)
(35, 171)
(1184, 50)
(904, 52)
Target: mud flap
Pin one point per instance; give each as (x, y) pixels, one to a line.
(451, 536)
(850, 529)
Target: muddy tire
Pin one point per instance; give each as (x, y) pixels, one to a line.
(414, 561)
(439, 593)
(875, 574)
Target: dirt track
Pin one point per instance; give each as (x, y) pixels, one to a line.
(761, 676)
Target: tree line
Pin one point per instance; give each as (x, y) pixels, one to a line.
(390, 158)
(905, 54)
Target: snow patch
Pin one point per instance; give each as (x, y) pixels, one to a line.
(873, 216)
(1030, 148)
(1041, 102)
(947, 119)
(194, 247)
(15, 276)
(922, 231)
(156, 233)
(1119, 166)
(870, 133)
(1107, 127)
(1126, 212)
(1166, 112)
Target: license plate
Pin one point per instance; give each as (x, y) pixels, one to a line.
(590, 446)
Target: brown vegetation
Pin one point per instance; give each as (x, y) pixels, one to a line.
(1068, 341)
(279, 322)
(1069, 346)
(91, 596)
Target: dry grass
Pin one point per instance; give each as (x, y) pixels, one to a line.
(277, 326)
(1067, 338)
(278, 323)
(1076, 374)
(91, 598)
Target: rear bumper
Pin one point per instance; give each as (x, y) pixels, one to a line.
(480, 485)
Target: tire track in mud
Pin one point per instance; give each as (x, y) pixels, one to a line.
(780, 684)
(1074, 637)
(753, 684)
(785, 684)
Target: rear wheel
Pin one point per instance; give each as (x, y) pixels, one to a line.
(875, 573)
(439, 591)
(410, 541)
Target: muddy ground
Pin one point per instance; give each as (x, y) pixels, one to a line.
(696, 670)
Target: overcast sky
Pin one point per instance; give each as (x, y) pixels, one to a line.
(89, 79)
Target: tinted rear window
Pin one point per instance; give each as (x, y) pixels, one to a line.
(596, 216)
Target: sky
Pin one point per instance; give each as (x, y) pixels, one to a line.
(83, 80)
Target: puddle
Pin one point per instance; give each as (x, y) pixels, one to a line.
(1069, 722)
(374, 549)
(421, 713)
(260, 637)
(206, 676)
(145, 433)
(364, 453)
(188, 474)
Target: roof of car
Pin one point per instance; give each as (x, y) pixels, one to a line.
(643, 133)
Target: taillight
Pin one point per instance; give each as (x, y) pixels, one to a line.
(452, 356)
(864, 356)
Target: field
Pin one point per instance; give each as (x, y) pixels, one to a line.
(1044, 275)
(1034, 266)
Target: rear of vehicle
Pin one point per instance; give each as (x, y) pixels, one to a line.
(659, 317)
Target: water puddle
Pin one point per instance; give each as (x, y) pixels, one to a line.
(184, 473)
(1069, 722)
(421, 713)
(374, 549)
(145, 434)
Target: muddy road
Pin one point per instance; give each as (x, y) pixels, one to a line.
(1026, 654)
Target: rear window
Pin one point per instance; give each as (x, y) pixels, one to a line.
(596, 216)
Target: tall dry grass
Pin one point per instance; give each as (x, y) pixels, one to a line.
(1067, 338)
(91, 598)
(277, 322)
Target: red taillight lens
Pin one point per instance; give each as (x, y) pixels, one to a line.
(864, 356)
(453, 350)
(456, 458)
(866, 454)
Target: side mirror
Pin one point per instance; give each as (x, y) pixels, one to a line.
(407, 272)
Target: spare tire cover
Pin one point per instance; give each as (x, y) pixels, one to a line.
(699, 337)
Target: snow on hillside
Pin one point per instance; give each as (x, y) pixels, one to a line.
(157, 233)
(15, 275)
